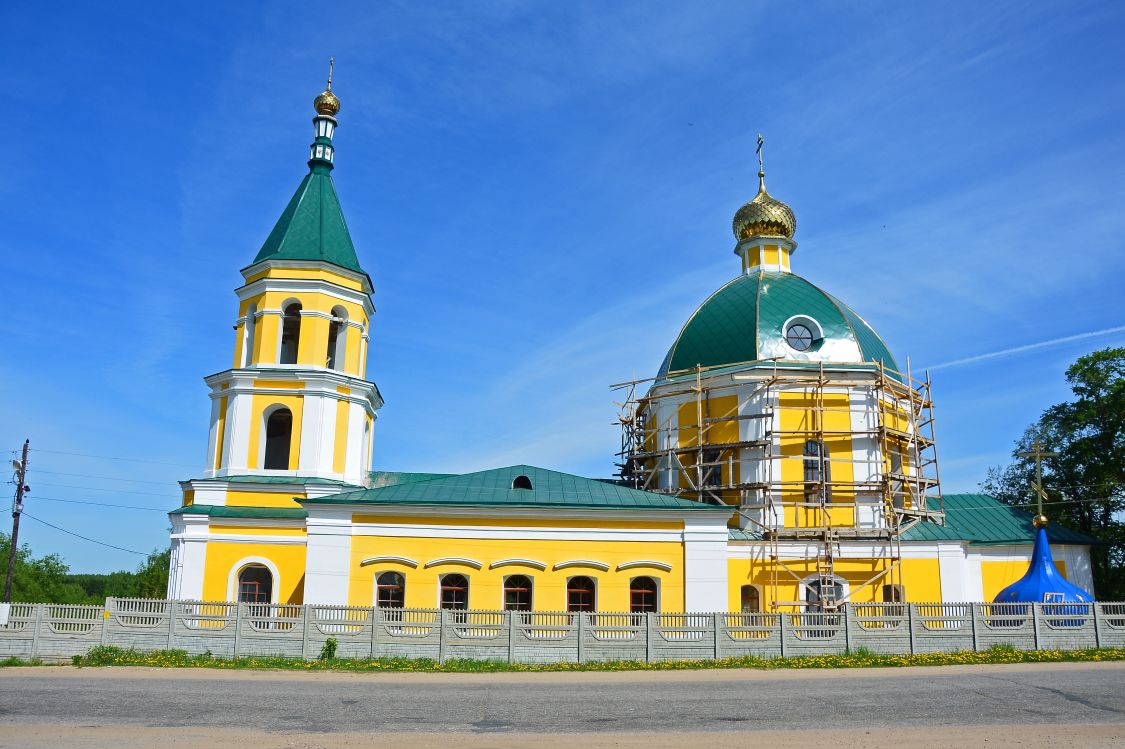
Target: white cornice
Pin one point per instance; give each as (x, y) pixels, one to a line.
(264, 265)
(538, 513)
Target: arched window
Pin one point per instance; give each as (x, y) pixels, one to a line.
(751, 599)
(521, 482)
(454, 592)
(581, 595)
(817, 472)
(290, 332)
(817, 602)
(517, 593)
(255, 584)
(279, 434)
(642, 595)
(390, 590)
(248, 329)
(337, 338)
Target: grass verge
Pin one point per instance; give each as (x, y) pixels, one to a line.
(105, 655)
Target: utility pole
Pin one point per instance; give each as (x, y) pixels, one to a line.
(21, 487)
(1038, 452)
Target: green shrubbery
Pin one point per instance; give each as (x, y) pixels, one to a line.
(108, 655)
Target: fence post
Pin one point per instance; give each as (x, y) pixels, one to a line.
(781, 624)
(237, 627)
(581, 635)
(39, 609)
(715, 633)
(441, 636)
(973, 620)
(105, 622)
(171, 623)
(1097, 624)
(304, 631)
(1035, 623)
(374, 631)
(511, 636)
(847, 628)
(910, 624)
(648, 636)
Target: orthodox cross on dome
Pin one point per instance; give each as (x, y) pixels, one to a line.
(761, 168)
(1038, 451)
(331, 63)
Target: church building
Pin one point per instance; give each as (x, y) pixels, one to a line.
(780, 459)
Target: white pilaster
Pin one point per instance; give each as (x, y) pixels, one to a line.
(328, 557)
(705, 562)
(189, 553)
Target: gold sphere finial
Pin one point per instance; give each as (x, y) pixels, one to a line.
(326, 102)
(1040, 521)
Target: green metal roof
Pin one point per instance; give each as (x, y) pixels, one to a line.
(278, 513)
(744, 320)
(493, 488)
(312, 227)
(981, 519)
(379, 479)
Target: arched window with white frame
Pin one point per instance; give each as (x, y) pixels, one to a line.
(278, 438)
(290, 332)
(249, 328)
(337, 338)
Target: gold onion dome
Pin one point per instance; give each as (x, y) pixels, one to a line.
(764, 216)
(327, 103)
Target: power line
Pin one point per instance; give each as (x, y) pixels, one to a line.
(107, 478)
(84, 538)
(100, 504)
(108, 489)
(113, 457)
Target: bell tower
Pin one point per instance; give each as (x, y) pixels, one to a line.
(295, 402)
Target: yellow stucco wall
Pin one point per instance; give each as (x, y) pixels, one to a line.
(920, 578)
(997, 575)
(222, 558)
(486, 585)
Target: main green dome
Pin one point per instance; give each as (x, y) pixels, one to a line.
(750, 318)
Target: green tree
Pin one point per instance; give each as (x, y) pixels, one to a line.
(152, 575)
(1085, 482)
(42, 580)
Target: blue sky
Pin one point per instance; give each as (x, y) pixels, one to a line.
(542, 193)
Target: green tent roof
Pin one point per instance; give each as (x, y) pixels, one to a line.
(312, 227)
(744, 320)
(493, 488)
(981, 519)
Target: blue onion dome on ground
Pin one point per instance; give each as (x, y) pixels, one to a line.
(775, 315)
(1043, 583)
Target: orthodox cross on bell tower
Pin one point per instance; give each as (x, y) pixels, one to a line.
(1038, 451)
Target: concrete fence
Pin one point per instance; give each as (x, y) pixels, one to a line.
(56, 632)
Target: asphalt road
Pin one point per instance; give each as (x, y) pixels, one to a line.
(666, 703)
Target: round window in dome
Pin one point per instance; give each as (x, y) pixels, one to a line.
(799, 336)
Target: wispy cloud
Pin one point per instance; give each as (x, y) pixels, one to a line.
(1028, 347)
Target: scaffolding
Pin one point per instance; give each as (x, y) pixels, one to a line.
(773, 452)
